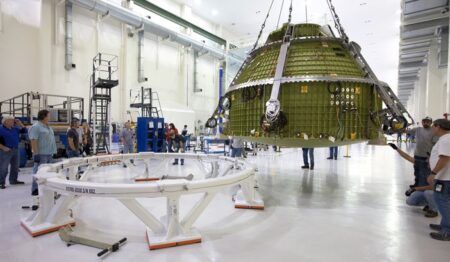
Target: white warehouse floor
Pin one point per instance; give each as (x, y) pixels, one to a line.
(352, 209)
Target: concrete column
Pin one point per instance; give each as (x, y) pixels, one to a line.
(421, 94)
(410, 104)
(436, 80)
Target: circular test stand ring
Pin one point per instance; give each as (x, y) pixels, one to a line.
(60, 185)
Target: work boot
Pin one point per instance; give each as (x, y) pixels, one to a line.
(311, 168)
(426, 208)
(2, 186)
(436, 227)
(17, 182)
(305, 167)
(330, 158)
(440, 236)
(431, 214)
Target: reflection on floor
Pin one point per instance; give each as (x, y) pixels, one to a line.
(352, 209)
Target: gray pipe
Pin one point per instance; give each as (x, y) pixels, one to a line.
(141, 77)
(196, 57)
(68, 40)
(128, 17)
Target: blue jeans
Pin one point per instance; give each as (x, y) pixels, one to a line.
(170, 146)
(6, 159)
(421, 171)
(128, 149)
(177, 150)
(164, 146)
(333, 152)
(443, 204)
(422, 198)
(44, 159)
(236, 152)
(309, 151)
(72, 154)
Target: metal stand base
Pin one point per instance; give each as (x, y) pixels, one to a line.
(44, 228)
(148, 179)
(241, 203)
(160, 241)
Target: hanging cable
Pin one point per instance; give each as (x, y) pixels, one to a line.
(256, 43)
(262, 26)
(337, 21)
(306, 10)
(290, 13)
(279, 16)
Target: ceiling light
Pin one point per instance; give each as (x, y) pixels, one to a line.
(198, 2)
(214, 12)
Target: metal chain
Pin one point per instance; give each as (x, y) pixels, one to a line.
(290, 13)
(255, 45)
(262, 27)
(337, 21)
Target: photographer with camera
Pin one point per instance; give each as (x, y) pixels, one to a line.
(419, 195)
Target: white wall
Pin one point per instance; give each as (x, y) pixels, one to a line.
(32, 59)
(431, 96)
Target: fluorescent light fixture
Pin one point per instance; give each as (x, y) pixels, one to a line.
(214, 12)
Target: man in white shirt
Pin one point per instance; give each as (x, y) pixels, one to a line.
(440, 170)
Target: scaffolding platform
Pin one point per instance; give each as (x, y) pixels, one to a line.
(26, 107)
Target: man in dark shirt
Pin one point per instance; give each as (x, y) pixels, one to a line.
(9, 146)
(73, 139)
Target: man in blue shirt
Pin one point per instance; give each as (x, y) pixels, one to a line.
(43, 144)
(9, 145)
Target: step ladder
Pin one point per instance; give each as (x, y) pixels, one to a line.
(156, 106)
(103, 79)
(148, 101)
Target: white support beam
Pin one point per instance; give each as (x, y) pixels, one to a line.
(196, 211)
(146, 217)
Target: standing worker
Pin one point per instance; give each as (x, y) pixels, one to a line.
(186, 137)
(167, 147)
(237, 146)
(306, 152)
(333, 153)
(43, 144)
(127, 138)
(440, 175)
(399, 136)
(176, 143)
(424, 143)
(86, 138)
(9, 146)
(73, 139)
